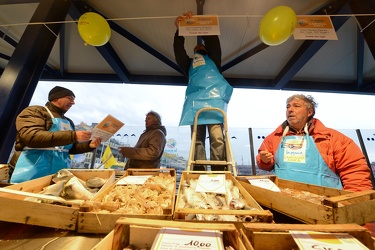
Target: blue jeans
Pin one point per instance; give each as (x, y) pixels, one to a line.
(217, 145)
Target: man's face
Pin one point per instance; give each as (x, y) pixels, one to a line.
(65, 103)
(297, 113)
(150, 120)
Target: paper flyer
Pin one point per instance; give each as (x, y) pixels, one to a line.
(106, 128)
(202, 25)
(307, 240)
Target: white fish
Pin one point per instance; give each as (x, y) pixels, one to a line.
(54, 189)
(74, 189)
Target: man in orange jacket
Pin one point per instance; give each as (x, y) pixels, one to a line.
(302, 149)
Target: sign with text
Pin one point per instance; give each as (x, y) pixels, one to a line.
(311, 27)
(307, 240)
(211, 183)
(202, 25)
(172, 238)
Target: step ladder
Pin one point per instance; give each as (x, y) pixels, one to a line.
(229, 162)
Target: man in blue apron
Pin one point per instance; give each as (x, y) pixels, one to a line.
(302, 149)
(46, 138)
(206, 88)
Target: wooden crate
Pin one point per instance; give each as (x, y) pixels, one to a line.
(258, 235)
(330, 205)
(4, 172)
(181, 213)
(97, 222)
(141, 233)
(16, 209)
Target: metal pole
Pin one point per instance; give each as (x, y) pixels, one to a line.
(366, 156)
(253, 163)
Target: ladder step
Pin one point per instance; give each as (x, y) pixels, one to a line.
(205, 162)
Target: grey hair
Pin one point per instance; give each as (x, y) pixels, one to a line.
(155, 115)
(307, 99)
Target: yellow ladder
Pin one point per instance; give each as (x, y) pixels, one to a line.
(230, 163)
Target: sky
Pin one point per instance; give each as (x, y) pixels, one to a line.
(248, 108)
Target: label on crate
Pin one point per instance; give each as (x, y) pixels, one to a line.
(317, 240)
(133, 179)
(211, 183)
(264, 183)
(178, 239)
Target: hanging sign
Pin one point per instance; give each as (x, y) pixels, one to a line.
(201, 25)
(311, 27)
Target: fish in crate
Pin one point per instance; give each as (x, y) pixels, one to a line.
(232, 204)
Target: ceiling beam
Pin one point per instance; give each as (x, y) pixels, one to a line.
(62, 49)
(107, 51)
(367, 24)
(309, 47)
(22, 73)
(360, 57)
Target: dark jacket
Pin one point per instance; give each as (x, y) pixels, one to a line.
(148, 150)
(32, 126)
(212, 44)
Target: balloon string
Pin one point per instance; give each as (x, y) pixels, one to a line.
(164, 17)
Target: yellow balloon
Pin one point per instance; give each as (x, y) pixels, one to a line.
(94, 29)
(277, 25)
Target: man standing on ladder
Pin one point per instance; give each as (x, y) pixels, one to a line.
(206, 88)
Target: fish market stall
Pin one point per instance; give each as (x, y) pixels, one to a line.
(139, 193)
(53, 200)
(313, 204)
(232, 203)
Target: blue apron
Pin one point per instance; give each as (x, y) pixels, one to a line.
(38, 162)
(206, 88)
(298, 159)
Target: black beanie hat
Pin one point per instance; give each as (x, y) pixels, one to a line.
(58, 92)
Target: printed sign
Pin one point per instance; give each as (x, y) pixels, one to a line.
(311, 27)
(201, 25)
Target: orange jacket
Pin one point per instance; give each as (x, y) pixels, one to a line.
(340, 153)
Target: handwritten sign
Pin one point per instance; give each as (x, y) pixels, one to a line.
(211, 183)
(316, 240)
(201, 25)
(172, 238)
(133, 179)
(264, 183)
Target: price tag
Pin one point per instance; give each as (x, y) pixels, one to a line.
(173, 238)
(211, 183)
(133, 179)
(264, 183)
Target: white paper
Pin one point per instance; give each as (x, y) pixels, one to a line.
(133, 179)
(211, 183)
(264, 183)
(310, 240)
(173, 238)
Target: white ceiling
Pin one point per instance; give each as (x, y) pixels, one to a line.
(332, 68)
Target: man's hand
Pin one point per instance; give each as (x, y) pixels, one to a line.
(95, 142)
(188, 15)
(83, 135)
(265, 156)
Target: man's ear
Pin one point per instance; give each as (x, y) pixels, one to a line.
(310, 112)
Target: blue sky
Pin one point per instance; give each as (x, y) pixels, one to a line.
(258, 109)
(247, 108)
